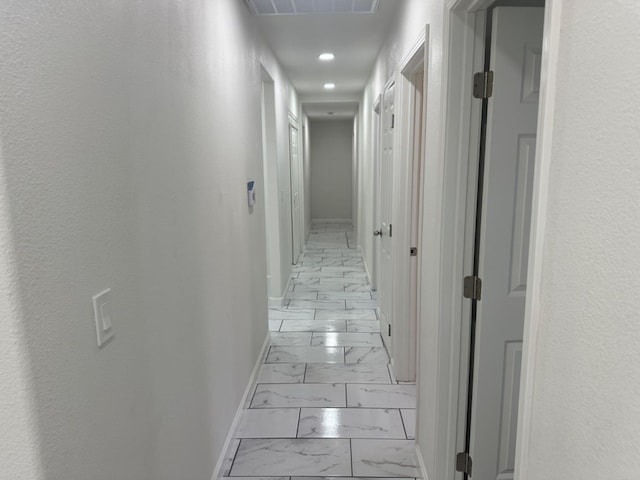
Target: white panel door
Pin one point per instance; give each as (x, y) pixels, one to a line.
(294, 171)
(516, 46)
(385, 276)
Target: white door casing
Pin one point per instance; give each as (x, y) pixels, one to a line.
(294, 171)
(516, 46)
(385, 276)
(377, 125)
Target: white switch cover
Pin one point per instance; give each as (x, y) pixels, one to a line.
(102, 314)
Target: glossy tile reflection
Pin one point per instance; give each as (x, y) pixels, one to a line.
(325, 404)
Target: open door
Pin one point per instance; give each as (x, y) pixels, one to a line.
(385, 233)
(502, 242)
(294, 175)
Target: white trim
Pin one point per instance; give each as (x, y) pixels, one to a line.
(279, 301)
(421, 466)
(539, 208)
(404, 340)
(236, 419)
(454, 248)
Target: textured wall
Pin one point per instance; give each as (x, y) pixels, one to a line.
(586, 413)
(129, 130)
(413, 16)
(331, 156)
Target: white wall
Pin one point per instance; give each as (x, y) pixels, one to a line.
(413, 16)
(129, 131)
(584, 397)
(331, 169)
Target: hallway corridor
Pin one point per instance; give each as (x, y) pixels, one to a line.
(326, 403)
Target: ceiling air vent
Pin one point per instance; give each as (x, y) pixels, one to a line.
(306, 7)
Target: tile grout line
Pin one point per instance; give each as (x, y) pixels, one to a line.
(403, 425)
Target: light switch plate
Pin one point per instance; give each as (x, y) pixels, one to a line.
(102, 316)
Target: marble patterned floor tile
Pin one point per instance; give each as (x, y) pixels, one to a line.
(291, 339)
(381, 396)
(321, 274)
(352, 261)
(333, 339)
(305, 354)
(409, 420)
(342, 295)
(346, 314)
(229, 456)
(357, 274)
(383, 458)
(376, 355)
(268, 423)
(286, 314)
(342, 270)
(332, 261)
(363, 326)
(274, 325)
(299, 395)
(317, 304)
(302, 295)
(357, 288)
(306, 281)
(342, 373)
(282, 373)
(309, 261)
(343, 280)
(350, 423)
(362, 304)
(320, 289)
(303, 456)
(313, 325)
(309, 268)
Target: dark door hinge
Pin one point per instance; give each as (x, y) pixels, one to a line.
(413, 252)
(390, 230)
(389, 325)
(483, 84)
(393, 120)
(463, 463)
(472, 287)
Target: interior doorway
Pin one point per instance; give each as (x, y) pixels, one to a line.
(408, 206)
(508, 89)
(270, 188)
(294, 178)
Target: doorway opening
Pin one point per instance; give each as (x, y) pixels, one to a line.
(270, 188)
(501, 239)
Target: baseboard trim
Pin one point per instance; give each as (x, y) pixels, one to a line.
(421, 465)
(279, 301)
(366, 267)
(236, 419)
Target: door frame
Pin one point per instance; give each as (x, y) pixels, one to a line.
(442, 289)
(377, 148)
(406, 280)
(270, 188)
(294, 176)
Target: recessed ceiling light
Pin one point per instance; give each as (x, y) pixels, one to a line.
(326, 57)
(329, 86)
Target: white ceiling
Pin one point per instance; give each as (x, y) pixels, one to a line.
(355, 39)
